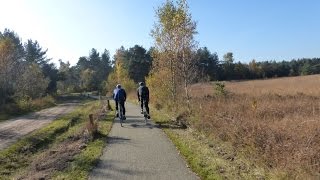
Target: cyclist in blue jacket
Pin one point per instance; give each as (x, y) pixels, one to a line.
(119, 95)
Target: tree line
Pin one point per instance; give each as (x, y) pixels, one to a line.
(211, 68)
(170, 66)
(25, 70)
(139, 62)
(27, 73)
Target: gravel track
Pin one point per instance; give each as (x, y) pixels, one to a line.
(13, 129)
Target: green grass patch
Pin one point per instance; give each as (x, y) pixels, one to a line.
(18, 159)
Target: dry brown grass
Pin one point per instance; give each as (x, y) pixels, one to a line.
(276, 121)
(307, 85)
(61, 154)
(56, 159)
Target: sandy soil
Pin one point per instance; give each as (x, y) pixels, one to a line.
(13, 129)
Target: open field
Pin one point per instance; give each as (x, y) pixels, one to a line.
(307, 85)
(274, 122)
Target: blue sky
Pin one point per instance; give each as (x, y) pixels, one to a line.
(251, 29)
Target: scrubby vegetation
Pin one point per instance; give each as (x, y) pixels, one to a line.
(24, 105)
(264, 122)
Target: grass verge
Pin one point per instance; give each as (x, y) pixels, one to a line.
(39, 154)
(88, 158)
(19, 155)
(211, 158)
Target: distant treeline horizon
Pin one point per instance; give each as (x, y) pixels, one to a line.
(21, 64)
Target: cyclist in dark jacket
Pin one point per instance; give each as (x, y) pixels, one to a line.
(143, 97)
(119, 95)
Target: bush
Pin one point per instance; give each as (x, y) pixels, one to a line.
(220, 89)
(10, 108)
(44, 102)
(24, 103)
(159, 90)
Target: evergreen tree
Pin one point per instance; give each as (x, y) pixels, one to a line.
(34, 53)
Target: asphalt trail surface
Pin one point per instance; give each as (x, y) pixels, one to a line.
(140, 151)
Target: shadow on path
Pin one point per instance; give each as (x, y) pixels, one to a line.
(108, 169)
(117, 140)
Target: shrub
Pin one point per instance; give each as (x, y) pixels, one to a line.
(219, 88)
(43, 102)
(24, 103)
(159, 90)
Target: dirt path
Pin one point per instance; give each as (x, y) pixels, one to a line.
(140, 151)
(13, 129)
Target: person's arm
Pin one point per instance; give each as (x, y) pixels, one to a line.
(125, 95)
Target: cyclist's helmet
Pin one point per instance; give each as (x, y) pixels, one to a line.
(141, 83)
(118, 86)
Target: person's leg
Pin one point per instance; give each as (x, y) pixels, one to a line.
(116, 105)
(141, 105)
(117, 114)
(124, 109)
(146, 103)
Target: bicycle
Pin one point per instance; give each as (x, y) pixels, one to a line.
(120, 113)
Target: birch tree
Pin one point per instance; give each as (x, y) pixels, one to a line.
(175, 47)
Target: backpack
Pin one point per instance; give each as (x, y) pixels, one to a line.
(120, 95)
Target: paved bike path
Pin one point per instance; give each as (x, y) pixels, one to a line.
(140, 151)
